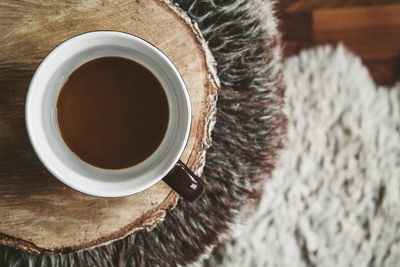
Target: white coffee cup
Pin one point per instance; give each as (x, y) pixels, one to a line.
(46, 139)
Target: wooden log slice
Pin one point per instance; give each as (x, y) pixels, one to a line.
(38, 213)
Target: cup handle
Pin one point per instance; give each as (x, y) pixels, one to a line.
(182, 180)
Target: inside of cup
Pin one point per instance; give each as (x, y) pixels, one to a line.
(46, 136)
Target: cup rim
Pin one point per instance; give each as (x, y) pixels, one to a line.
(42, 155)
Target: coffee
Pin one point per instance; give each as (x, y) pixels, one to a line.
(112, 112)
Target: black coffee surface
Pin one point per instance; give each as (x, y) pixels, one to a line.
(112, 112)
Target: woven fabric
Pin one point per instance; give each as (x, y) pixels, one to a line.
(334, 199)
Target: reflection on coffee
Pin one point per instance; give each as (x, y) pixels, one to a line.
(112, 112)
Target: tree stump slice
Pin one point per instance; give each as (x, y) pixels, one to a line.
(38, 213)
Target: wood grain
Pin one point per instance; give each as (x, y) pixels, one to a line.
(38, 213)
(307, 5)
(370, 30)
(374, 32)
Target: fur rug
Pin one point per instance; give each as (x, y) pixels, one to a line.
(248, 134)
(334, 199)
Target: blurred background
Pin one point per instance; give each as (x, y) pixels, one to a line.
(369, 28)
(334, 199)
